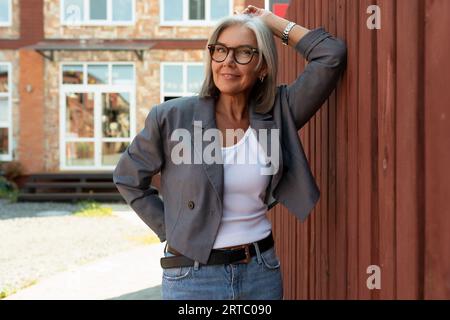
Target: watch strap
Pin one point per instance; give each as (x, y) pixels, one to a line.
(285, 35)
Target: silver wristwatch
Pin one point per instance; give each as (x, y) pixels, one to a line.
(285, 35)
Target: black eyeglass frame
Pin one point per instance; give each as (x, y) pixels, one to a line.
(211, 47)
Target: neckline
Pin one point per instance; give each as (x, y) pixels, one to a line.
(239, 142)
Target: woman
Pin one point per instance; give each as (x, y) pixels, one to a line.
(213, 213)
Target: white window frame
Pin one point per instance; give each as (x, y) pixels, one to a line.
(98, 90)
(108, 22)
(207, 22)
(9, 22)
(183, 93)
(8, 124)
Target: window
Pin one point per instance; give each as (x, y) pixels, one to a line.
(5, 12)
(196, 9)
(180, 79)
(97, 74)
(194, 12)
(97, 114)
(5, 112)
(98, 12)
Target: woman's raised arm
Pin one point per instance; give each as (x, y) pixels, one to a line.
(326, 56)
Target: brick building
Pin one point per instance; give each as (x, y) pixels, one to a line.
(78, 77)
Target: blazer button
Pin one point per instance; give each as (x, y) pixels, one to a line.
(191, 204)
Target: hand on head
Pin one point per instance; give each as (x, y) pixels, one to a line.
(252, 10)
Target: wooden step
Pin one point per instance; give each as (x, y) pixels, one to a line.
(70, 197)
(93, 185)
(71, 176)
(70, 186)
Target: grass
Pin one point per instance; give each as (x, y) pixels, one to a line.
(7, 291)
(90, 209)
(145, 239)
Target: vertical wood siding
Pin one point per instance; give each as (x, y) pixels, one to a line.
(379, 149)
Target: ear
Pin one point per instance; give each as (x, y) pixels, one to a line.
(263, 71)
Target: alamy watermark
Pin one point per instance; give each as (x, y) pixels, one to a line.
(374, 20)
(184, 152)
(374, 280)
(73, 15)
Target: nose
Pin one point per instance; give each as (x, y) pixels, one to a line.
(230, 58)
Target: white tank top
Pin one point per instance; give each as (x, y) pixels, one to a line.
(244, 211)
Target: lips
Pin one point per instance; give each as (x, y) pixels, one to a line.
(229, 76)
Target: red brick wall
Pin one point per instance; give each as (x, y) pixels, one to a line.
(31, 20)
(31, 25)
(31, 111)
(30, 144)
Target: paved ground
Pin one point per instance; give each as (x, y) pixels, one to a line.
(131, 275)
(126, 270)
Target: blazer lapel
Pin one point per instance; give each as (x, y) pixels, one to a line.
(204, 119)
(263, 123)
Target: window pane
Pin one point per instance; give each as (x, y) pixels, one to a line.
(122, 10)
(4, 141)
(123, 74)
(97, 74)
(73, 74)
(4, 10)
(111, 152)
(80, 115)
(4, 109)
(173, 78)
(79, 153)
(98, 9)
(173, 10)
(196, 9)
(116, 115)
(3, 78)
(219, 9)
(73, 11)
(194, 78)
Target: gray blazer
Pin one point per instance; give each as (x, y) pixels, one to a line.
(189, 212)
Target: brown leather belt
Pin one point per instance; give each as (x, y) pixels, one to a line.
(229, 255)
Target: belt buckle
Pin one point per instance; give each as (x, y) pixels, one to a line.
(247, 259)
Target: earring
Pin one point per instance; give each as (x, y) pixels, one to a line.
(261, 78)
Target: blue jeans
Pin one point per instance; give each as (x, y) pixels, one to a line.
(260, 279)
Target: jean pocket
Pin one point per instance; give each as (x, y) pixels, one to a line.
(177, 273)
(270, 259)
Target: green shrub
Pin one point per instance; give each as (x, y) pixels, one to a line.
(8, 190)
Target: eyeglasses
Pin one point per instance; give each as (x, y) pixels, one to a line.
(241, 54)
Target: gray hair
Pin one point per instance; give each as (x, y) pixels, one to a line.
(263, 92)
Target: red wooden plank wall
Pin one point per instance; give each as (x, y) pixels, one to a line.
(380, 151)
(437, 150)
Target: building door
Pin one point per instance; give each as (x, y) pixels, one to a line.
(97, 124)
